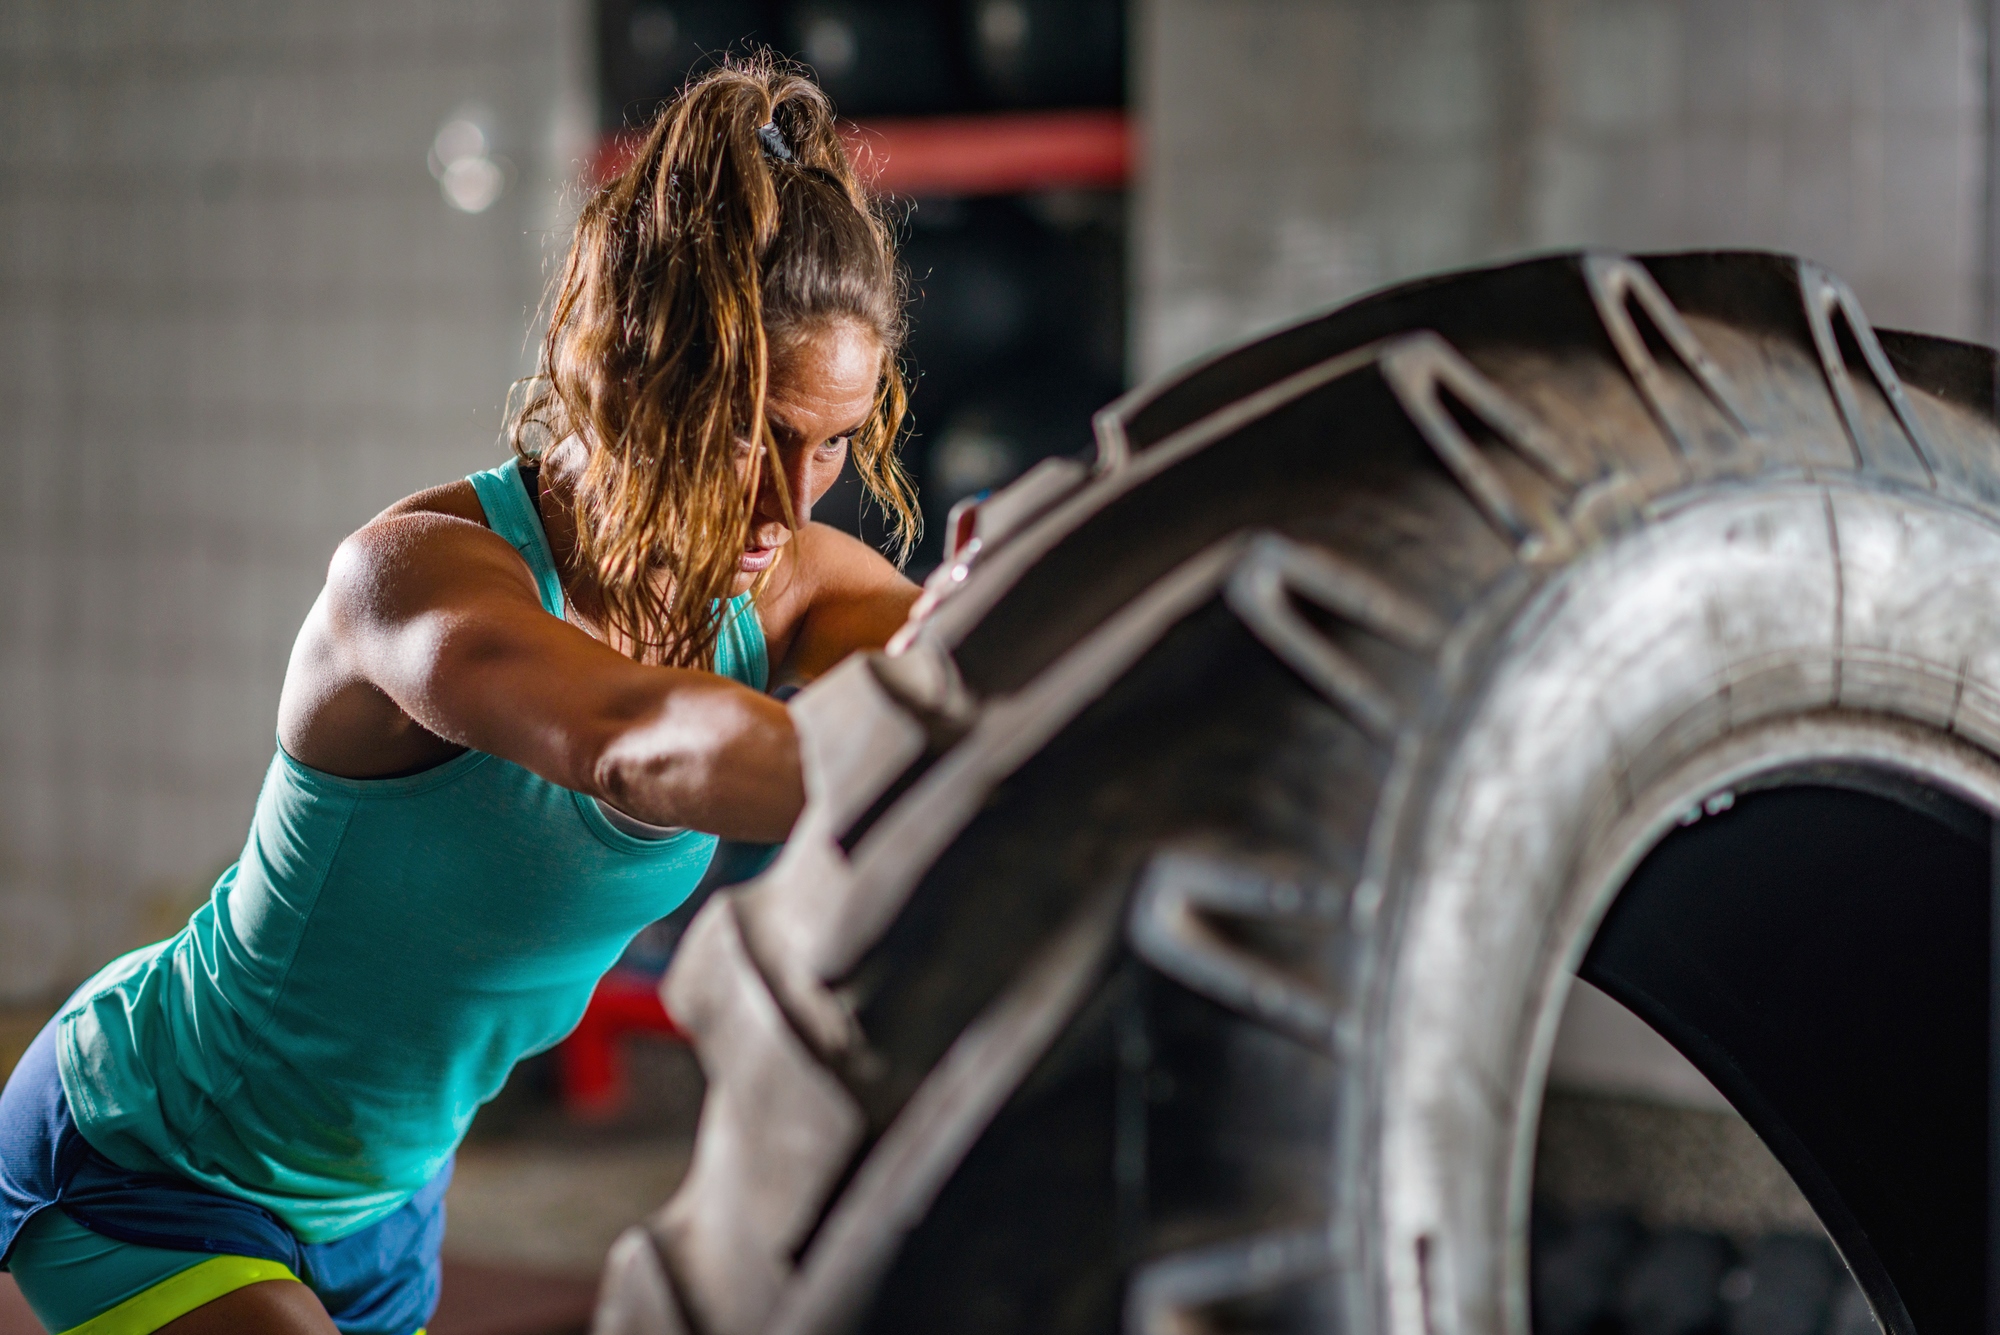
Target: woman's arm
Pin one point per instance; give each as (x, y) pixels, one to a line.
(434, 619)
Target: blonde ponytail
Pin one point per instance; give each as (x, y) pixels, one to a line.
(707, 251)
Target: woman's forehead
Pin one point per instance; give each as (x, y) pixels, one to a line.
(830, 372)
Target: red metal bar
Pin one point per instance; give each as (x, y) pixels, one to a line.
(994, 154)
(589, 1064)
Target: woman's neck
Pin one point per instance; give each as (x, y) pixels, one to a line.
(554, 479)
(557, 474)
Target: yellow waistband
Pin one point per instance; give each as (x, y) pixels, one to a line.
(174, 1297)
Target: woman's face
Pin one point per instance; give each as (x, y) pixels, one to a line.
(821, 391)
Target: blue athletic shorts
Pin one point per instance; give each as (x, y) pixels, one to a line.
(94, 1246)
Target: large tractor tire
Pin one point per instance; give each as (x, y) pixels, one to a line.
(1177, 930)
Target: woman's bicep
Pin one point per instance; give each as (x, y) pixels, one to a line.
(673, 746)
(442, 618)
(445, 627)
(515, 683)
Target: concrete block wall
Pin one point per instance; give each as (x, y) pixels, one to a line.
(1300, 152)
(237, 317)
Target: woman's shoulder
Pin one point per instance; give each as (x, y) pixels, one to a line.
(839, 595)
(822, 561)
(420, 537)
(831, 558)
(457, 500)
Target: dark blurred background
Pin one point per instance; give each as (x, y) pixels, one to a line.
(1018, 318)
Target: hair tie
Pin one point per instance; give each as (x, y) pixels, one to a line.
(774, 141)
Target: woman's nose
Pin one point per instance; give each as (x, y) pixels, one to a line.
(791, 466)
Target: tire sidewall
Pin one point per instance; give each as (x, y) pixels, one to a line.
(1740, 631)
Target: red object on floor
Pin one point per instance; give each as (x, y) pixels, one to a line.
(591, 1067)
(478, 1300)
(995, 154)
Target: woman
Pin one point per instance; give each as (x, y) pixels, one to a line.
(513, 723)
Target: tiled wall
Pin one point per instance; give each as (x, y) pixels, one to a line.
(1302, 151)
(237, 317)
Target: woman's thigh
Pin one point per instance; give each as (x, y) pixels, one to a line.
(274, 1307)
(77, 1280)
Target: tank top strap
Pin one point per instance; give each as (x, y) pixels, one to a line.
(740, 649)
(510, 512)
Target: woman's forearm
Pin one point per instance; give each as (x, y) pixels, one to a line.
(716, 757)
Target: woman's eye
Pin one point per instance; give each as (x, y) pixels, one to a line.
(838, 445)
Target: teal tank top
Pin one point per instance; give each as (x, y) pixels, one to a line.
(319, 1035)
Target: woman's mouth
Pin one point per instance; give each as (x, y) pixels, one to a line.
(756, 560)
